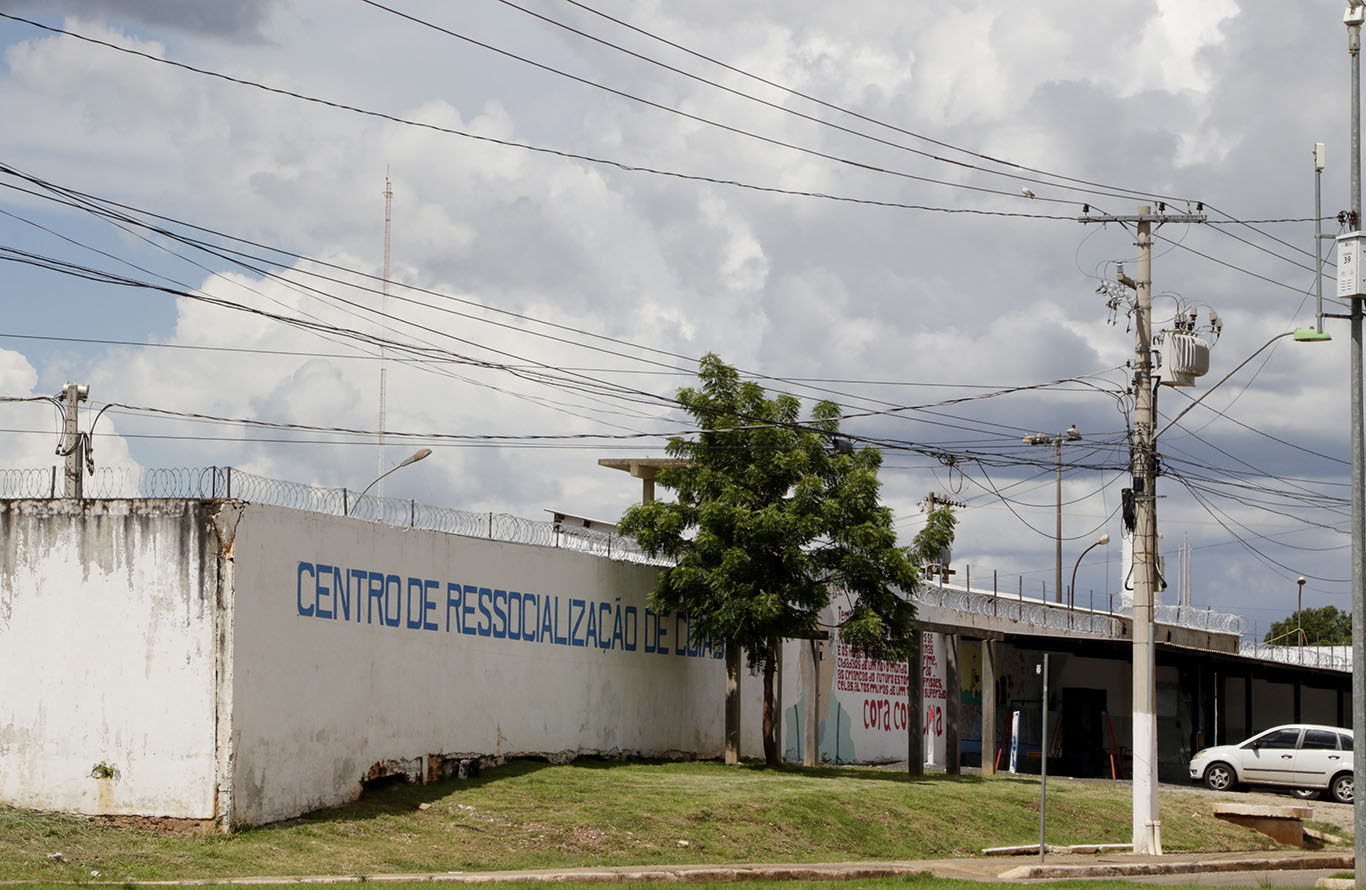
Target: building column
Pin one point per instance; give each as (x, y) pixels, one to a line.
(1220, 711)
(988, 707)
(915, 708)
(953, 707)
(1195, 677)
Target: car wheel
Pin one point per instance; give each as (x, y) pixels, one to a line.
(1221, 777)
(1341, 788)
(1306, 793)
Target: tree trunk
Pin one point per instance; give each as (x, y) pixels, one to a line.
(771, 756)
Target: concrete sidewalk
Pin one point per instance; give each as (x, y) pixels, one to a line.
(982, 868)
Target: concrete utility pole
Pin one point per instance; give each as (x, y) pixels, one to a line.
(73, 446)
(932, 503)
(1147, 828)
(1353, 20)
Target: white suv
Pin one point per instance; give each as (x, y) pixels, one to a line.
(1302, 757)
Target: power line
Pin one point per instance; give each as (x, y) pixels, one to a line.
(708, 121)
(738, 93)
(587, 158)
(99, 206)
(398, 434)
(15, 255)
(1214, 513)
(1235, 268)
(1263, 434)
(845, 110)
(96, 205)
(279, 440)
(358, 356)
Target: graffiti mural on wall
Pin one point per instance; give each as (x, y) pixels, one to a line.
(932, 663)
(863, 703)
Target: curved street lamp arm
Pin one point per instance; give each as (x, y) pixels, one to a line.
(414, 458)
(1221, 380)
(1072, 589)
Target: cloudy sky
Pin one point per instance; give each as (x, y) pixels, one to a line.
(589, 196)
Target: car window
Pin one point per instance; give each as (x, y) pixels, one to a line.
(1320, 739)
(1280, 738)
(1346, 741)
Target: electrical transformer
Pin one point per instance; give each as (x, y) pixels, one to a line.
(1185, 356)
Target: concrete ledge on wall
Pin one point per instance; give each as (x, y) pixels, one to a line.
(1283, 824)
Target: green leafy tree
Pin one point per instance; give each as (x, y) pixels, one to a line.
(770, 520)
(1325, 626)
(933, 541)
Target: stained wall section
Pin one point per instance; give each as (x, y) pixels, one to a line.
(107, 655)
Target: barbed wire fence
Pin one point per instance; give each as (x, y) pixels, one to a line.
(234, 484)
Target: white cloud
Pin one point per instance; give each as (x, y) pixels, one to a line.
(1209, 100)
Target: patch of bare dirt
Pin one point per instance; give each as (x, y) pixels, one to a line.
(159, 824)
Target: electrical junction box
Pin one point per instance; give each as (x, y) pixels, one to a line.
(1351, 255)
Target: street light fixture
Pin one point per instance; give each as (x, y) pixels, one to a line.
(1299, 616)
(410, 459)
(1072, 588)
(1069, 435)
(1300, 335)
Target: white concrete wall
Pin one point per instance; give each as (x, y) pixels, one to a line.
(263, 685)
(425, 657)
(107, 657)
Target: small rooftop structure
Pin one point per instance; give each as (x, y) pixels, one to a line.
(644, 469)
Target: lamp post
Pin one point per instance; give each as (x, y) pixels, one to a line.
(1299, 616)
(1069, 435)
(1072, 588)
(410, 459)
(1145, 744)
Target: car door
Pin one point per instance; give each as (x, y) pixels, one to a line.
(1269, 759)
(1318, 758)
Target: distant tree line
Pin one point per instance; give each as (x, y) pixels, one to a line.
(1324, 626)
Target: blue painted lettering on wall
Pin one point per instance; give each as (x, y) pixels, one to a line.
(363, 596)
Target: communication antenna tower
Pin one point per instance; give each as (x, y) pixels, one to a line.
(384, 313)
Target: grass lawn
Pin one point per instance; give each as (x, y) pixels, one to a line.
(530, 814)
(913, 882)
